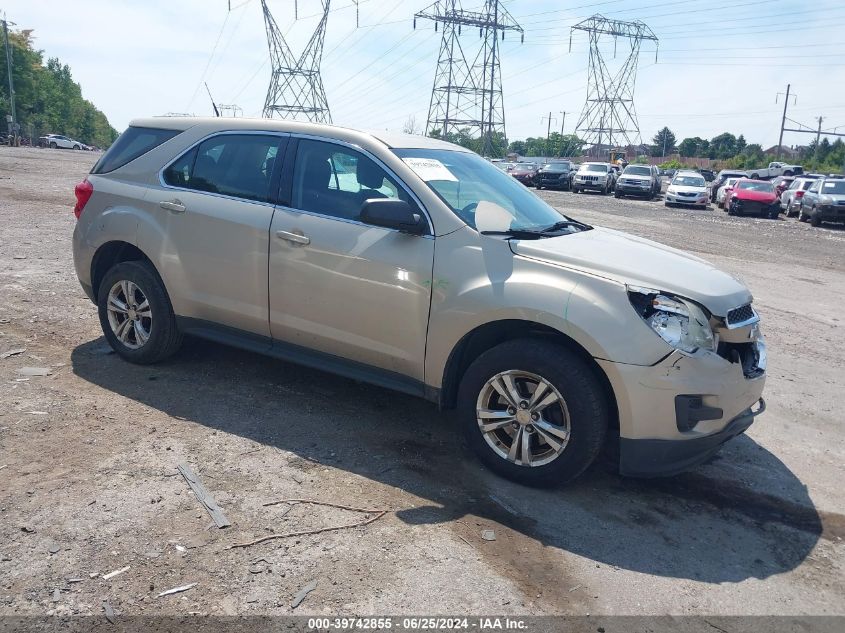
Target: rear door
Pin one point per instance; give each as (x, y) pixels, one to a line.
(337, 285)
(214, 206)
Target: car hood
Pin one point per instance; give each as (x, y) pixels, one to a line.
(754, 196)
(634, 177)
(688, 189)
(640, 262)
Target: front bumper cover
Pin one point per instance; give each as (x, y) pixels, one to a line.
(661, 458)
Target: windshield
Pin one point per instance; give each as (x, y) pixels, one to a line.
(478, 193)
(556, 167)
(688, 181)
(637, 171)
(524, 167)
(835, 186)
(593, 167)
(752, 185)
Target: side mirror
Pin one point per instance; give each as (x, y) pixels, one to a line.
(392, 214)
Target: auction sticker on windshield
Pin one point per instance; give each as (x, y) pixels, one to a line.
(430, 169)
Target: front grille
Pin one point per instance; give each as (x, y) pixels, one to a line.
(687, 194)
(590, 178)
(740, 315)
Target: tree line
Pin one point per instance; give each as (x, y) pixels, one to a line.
(47, 99)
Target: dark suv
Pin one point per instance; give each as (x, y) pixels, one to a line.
(554, 175)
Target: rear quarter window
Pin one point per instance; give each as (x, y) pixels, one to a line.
(134, 142)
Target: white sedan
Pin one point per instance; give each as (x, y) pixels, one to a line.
(722, 191)
(58, 141)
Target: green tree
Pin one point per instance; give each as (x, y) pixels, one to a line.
(664, 142)
(695, 146)
(47, 99)
(740, 143)
(722, 146)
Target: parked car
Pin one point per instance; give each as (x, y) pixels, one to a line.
(594, 176)
(555, 175)
(525, 172)
(725, 190)
(638, 180)
(415, 264)
(709, 174)
(782, 184)
(721, 177)
(790, 200)
(57, 141)
(774, 170)
(687, 188)
(824, 201)
(753, 197)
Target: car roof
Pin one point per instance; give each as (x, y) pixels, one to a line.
(220, 124)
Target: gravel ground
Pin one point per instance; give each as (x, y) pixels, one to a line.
(88, 456)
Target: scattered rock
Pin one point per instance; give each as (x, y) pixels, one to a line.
(488, 535)
(302, 593)
(13, 352)
(34, 371)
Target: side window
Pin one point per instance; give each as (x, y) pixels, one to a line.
(816, 186)
(336, 181)
(238, 165)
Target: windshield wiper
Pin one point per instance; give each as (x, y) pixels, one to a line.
(565, 224)
(520, 234)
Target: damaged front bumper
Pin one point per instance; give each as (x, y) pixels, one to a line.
(677, 413)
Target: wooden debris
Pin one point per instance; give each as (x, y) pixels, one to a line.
(377, 514)
(13, 352)
(34, 371)
(116, 572)
(302, 593)
(204, 496)
(109, 611)
(177, 590)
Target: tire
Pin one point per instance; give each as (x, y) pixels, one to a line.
(576, 190)
(802, 217)
(617, 195)
(731, 210)
(163, 336)
(773, 215)
(815, 220)
(788, 173)
(755, 176)
(53, 146)
(571, 378)
(76, 147)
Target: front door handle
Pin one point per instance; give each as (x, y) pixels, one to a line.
(175, 206)
(296, 238)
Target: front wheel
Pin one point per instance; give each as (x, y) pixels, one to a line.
(53, 146)
(136, 314)
(815, 219)
(533, 412)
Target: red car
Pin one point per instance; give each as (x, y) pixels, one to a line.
(525, 173)
(753, 197)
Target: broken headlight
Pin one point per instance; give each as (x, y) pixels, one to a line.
(678, 321)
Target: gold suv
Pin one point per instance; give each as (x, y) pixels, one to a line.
(414, 264)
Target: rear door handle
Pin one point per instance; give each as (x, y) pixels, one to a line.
(296, 238)
(175, 206)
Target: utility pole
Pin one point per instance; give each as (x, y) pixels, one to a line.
(783, 120)
(819, 132)
(562, 123)
(548, 131)
(13, 122)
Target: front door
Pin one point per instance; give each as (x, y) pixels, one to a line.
(341, 287)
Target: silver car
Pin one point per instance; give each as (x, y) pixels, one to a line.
(824, 201)
(416, 265)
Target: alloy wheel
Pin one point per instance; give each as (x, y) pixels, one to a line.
(129, 314)
(523, 418)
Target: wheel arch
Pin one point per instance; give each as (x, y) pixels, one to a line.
(111, 253)
(488, 335)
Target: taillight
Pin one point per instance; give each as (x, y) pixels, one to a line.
(83, 193)
(799, 193)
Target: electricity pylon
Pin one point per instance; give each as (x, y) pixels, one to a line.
(296, 88)
(609, 115)
(467, 91)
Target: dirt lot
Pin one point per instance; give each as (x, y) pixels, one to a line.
(88, 455)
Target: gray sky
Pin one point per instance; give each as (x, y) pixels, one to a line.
(719, 67)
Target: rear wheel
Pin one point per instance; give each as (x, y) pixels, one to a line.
(802, 217)
(533, 412)
(815, 219)
(136, 315)
(53, 145)
(616, 194)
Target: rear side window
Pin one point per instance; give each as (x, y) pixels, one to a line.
(134, 142)
(238, 165)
